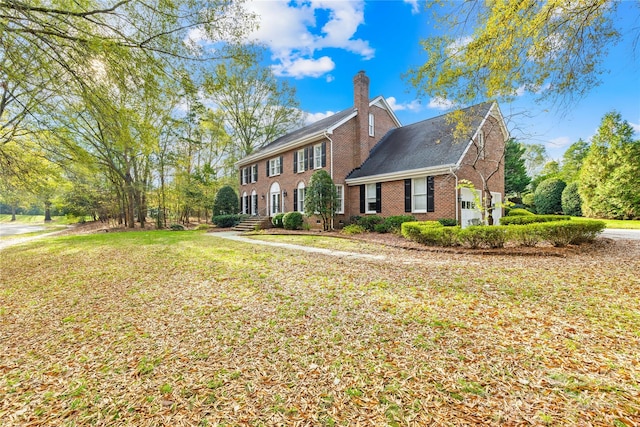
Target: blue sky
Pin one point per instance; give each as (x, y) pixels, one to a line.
(319, 45)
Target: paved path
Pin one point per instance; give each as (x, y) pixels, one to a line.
(19, 240)
(234, 235)
(13, 229)
(618, 233)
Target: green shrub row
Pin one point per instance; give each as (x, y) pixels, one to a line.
(558, 233)
(226, 221)
(519, 212)
(390, 224)
(530, 219)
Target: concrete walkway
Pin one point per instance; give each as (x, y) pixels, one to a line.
(236, 236)
(19, 240)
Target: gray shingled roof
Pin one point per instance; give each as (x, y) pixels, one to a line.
(303, 132)
(425, 144)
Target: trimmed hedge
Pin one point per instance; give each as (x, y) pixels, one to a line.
(530, 219)
(353, 229)
(292, 221)
(558, 233)
(519, 212)
(369, 222)
(226, 221)
(392, 224)
(448, 222)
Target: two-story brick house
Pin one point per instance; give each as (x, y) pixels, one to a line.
(378, 165)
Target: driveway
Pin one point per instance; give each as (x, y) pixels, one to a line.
(13, 229)
(619, 233)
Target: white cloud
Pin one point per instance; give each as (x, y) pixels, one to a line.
(415, 9)
(292, 33)
(439, 103)
(411, 106)
(314, 117)
(330, 78)
(561, 141)
(301, 67)
(635, 126)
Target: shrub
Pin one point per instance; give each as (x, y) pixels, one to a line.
(292, 221)
(392, 224)
(448, 222)
(203, 227)
(369, 222)
(525, 234)
(353, 229)
(548, 196)
(563, 233)
(226, 221)
(226, 201)
(277, 220)
(519, 212)
(571, 201)
(493, 236)
(530, 219)
(177, 227)
(430, 233)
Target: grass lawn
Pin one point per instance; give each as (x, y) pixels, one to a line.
(184, 328)
(38, 219)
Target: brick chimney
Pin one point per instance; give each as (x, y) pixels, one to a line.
(361, 103)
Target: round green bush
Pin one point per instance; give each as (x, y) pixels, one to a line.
(277, 220)
(353, 229)
(548, 196)
(292, 221)
(226, 202)
(519, 212)
(571, 200)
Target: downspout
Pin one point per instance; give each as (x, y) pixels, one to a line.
(326, 135)
(455, 195)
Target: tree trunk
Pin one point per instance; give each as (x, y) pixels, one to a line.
(13, 212)
(47, 211)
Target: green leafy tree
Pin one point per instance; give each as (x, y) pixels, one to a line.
(321, 197)
(609, 176)
(226, 202)
(500, 49)
(516, 179)
(572, 160)
(550, 170)
(548, 196)
(571, 201)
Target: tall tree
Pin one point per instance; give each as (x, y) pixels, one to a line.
(257, 107)
(496, 50)
(572, 160)
(515, 173)
(608, 181)
(535, 157)
(320, 198)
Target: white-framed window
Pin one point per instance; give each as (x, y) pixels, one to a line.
(300, 160)
(254, 203)
(370, 198)
(274, 166)
(301, 193)
(274, 199)
(481, 150)
(419, 195)
(340, 199)
(317, 156)
(254, 173)
(372, 125)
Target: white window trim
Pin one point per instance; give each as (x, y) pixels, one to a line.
(372, 125)
(340, 191)
(274, 166)
(300, 160)
(414, 194)
(367, 198)
(254, 168)
(317, 156)
(301, 196)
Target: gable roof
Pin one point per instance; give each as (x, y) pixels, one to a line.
(426, 146)
(309, 133)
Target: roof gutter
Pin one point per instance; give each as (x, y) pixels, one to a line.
(395, 176)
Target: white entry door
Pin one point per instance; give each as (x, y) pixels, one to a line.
(470, 213)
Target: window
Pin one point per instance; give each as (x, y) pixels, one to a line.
(300, 193)
(371, 125)
(243, 176)
(419, 195)
(274, 199)
(340, 199)
(274, 166)
(254, 173)
(480, 142)
(300, 160)
(254, 203)
(371, 199)
(317, 156)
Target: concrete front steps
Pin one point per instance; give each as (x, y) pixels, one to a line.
(250, 223)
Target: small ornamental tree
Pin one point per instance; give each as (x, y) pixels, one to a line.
(548, 196)
(226, 201)
(320, 198)
(571, 201)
